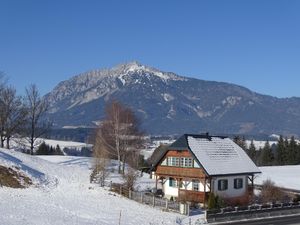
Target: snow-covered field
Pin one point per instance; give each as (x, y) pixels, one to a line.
(19, 142)
(283, 176)
(62, 194)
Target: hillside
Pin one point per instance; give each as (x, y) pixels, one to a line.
(167, 103)
(61, 194)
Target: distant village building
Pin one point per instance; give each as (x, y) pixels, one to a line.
(195, 165)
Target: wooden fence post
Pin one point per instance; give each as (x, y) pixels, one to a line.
(153, 201)
(141, 197)
(110, 185)
(120, 190)
(129, 193)
(188, 209)
(167, 204)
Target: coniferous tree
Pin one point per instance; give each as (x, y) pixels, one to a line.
(267, 155)
(43, 149)
(240, 142)
(58, 151)
(286, 147)
(252, 151)
(280, 152)
(292, 152)
(211, 201)
(298, 154)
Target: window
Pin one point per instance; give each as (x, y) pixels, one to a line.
(238, 183)
(172, 182)
(195, 185)
(186, 162)
(173, 161)
(222, 185)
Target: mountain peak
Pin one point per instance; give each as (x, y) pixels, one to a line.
(138, 68)
(131, 67)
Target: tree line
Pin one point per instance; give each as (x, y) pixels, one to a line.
(21, 116)
(285, 152)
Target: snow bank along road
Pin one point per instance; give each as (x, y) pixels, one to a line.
(62, 194)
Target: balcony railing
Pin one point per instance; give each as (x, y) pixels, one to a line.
(193, 196)
(180, 172)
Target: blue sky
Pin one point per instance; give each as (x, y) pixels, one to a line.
(254, 43)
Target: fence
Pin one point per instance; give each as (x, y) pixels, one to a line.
(147, 198)
(252, 211)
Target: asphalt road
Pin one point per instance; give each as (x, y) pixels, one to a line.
(288, 220)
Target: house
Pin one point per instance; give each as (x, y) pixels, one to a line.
(195, 165)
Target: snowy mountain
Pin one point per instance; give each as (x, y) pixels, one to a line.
(167, 103)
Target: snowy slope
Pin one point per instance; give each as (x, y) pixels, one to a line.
(63, 195)
(283, 176)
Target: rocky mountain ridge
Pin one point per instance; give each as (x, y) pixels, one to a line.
(167, 103)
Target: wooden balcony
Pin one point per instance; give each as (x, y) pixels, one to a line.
(193, 196)
(179, 172)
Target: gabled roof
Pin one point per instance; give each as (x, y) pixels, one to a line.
(158, 153)
(180, 144)
(218, 155)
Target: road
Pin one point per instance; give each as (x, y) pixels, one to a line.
(288, 220)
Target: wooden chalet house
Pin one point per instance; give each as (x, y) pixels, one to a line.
(195, 165)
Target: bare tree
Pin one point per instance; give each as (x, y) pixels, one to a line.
(130, 177)
(2, 110)
(37, 107)
(120, 133)
(12, 114)
(101, 160)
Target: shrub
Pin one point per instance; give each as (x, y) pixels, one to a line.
(271, 193)
(215, 202)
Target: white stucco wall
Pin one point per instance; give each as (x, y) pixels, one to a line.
(169, 191)
(231, 191)
(188, 185)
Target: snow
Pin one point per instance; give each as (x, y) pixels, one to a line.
(221, 156)
(283, 176)
(259, 144)
(168, 97)
(17, 142)
(62, 194)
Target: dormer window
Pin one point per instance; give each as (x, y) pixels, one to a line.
(173, 161)
(179, 161)
(186, 162)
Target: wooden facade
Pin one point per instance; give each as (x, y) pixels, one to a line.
(193, 196)
(179, 172)
(184, 174)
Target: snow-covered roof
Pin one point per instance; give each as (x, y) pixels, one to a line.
(220, 155)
